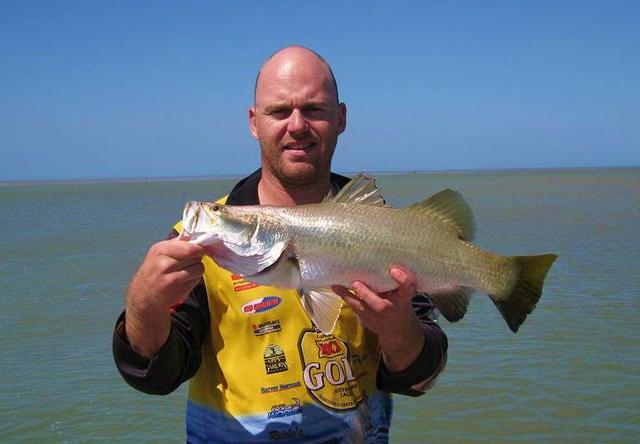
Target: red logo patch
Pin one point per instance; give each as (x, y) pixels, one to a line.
(240, 284)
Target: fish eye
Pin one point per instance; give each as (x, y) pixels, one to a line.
(216, 208)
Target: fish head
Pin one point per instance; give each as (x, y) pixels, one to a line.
(238, 238)
(207, 223)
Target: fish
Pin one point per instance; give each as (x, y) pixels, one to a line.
(355, 235)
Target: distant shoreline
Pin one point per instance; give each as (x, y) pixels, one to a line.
(36, 182)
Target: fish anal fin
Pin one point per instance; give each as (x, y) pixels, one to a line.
(452, 303)
(323, 307)
(359, 190)
(452, 209)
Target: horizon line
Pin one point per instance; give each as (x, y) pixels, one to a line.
(139, 179)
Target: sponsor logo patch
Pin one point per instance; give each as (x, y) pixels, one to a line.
(266, 327)
(240, 284)
(281, 410)
(329, 347)
(274, 359)
(261, 305)
(280, 387)
(333, 375)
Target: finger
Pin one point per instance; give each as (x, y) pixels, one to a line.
(183, 281)
(341, 291)
(174, 264)
(193, 271)
(406, 282)
(179, 249)
(370, 298)
(351, 299)
(187, 287)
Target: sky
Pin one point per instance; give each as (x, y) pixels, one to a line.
(115, 89)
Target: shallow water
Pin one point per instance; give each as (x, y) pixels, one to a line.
(569, 375)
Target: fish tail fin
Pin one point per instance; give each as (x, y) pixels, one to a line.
(524, 295)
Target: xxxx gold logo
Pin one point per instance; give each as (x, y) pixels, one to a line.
(334, 376)
(329, 348)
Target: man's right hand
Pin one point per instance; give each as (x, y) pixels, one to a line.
(167, 274)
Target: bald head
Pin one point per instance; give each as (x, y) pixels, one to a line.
(296, 118)
(291, 57)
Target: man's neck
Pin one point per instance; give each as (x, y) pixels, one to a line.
(273, 192)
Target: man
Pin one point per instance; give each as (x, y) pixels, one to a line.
(259, 370)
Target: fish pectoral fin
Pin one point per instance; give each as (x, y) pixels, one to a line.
(359, 190)
(452, 303)
(247, 262)
(450, 207)
(323, 307)
(284, 273)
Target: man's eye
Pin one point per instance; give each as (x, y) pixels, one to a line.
(314, 111)
(279, 113)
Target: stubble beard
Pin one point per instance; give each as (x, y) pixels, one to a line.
(297, 174)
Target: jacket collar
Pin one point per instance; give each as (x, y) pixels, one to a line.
(246, 191)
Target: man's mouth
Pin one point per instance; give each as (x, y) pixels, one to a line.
(297, 146)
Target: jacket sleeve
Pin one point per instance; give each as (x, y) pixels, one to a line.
(421, 375)
(177, 360)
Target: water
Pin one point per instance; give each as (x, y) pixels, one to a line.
(570, 374)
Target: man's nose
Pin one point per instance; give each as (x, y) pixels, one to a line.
(297, 123)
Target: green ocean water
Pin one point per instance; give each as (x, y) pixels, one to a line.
(571, 374)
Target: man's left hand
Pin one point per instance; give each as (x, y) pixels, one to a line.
(390, 315)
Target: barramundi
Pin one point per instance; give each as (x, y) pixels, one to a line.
(356, 236)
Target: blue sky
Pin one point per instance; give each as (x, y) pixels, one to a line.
(115, 89)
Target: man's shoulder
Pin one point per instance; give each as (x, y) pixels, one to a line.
(339, 179)
(245, 192)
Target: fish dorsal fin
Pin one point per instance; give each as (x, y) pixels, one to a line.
(449, 207)
(359, 190)
(323, 307)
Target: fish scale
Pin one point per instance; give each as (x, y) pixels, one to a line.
(336, 244)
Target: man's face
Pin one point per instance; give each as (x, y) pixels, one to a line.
(296, 119)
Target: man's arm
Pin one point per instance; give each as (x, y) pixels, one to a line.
(413, 352)
(162, 326)
(423, 372)
(178, 359)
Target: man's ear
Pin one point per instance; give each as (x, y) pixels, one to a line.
(252, 122)
(342, 117)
